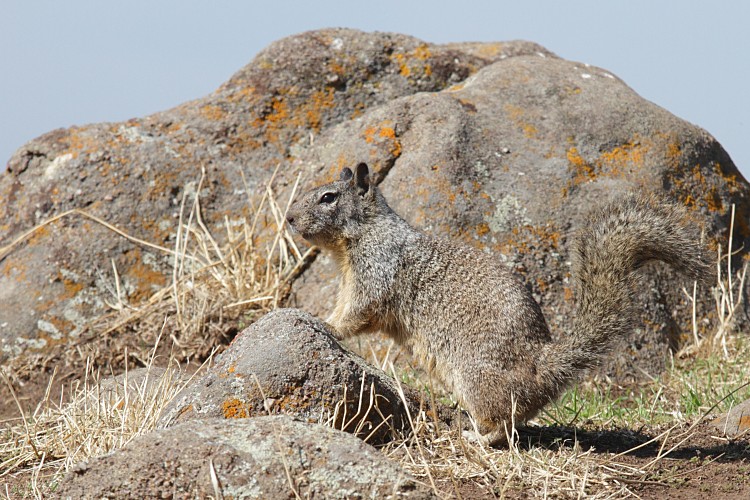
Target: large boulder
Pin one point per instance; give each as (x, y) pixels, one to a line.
(288, 362)
(502, 145)
(264, 457)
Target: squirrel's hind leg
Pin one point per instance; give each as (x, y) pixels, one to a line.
(498, 400)
(496, 438)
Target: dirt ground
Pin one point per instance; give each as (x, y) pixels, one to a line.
(703, 466)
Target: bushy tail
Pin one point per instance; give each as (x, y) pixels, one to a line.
(616, 241)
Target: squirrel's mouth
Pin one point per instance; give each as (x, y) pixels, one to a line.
(305, 234)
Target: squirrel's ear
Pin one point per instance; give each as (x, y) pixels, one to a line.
(363, 179)
(346, 174)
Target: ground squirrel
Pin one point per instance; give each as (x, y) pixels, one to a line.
(465, 316)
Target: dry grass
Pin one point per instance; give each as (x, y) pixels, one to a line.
(214, 280)
(217, 283)
(93, 420)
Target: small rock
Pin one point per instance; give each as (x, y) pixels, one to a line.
(734, 423)
(288, 362)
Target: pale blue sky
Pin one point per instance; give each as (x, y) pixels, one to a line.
(75, 62)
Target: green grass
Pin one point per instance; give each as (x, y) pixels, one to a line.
(687, 390)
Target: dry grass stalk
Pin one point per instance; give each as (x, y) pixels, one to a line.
(367, 411)
(728, 297)
(215, 281)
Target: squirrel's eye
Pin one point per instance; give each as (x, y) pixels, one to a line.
(328, 198)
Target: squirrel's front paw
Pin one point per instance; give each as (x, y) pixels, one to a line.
(333, 330)
(475, 437)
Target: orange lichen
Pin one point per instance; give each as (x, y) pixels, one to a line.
(162, 182)
(617, 162)
(674, 154)
(525, 239)
(490, 50)
(146, 279)
(359, 109)
(630, 153)
(62, 325)
(384, 134)
(16, 271)
(234, 408)
(336, 68)
(71, 287)
(313, 108)
(582, 170)
(529, 130)
(697, 190)
(730, 180)
(422, 52)
(296, 402)
(404, 69)
(414, 62)
(482, 229)
(39, 234)
(518, 117)
(78, 143)
(211, 112)
(241, 94)
(289, 113)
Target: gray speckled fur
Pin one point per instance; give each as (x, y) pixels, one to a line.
(467, 319)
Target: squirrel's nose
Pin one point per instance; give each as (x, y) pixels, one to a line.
(290, 219)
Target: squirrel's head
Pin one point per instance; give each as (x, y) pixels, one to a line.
(328, 214)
